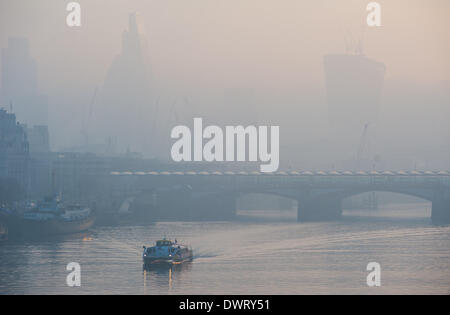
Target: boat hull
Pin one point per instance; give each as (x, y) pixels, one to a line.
(18, 227)
(167, 260)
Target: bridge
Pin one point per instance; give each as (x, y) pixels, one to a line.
(319, 194)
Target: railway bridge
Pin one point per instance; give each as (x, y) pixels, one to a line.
(319, 194)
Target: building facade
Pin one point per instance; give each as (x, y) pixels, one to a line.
(38, 139)
(14, 150)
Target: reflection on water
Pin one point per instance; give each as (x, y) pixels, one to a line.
(163, 275)
(255, 255)
(85, 236)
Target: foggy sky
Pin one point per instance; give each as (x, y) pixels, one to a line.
(199, 49)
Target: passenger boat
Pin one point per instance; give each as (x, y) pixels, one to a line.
(50, 217)
(167, 252)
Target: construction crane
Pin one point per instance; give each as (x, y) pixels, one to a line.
(191, 107)
(155, 115)
(363, 143)
(175, 112)
(85, 131)
(370, 200)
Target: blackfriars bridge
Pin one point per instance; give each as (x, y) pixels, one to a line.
(213, 195)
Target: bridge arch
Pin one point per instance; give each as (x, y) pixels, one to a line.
(265, 201)
(377, 200)
(231, 199)
(421, 194)
(328, 204)
(284, 193)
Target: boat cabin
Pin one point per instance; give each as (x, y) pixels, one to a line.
(160, 243)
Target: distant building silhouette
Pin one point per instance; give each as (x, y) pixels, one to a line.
(126, 101)
(19, 83)
(14, 152)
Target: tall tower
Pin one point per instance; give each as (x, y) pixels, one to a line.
(126, 104)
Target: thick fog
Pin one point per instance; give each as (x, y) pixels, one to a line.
(249, 62)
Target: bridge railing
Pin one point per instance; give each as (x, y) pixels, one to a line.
(300, 177)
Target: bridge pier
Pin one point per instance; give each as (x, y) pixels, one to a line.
(320, 209)
(440, 211)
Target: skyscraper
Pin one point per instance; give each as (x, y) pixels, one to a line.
(126, 102)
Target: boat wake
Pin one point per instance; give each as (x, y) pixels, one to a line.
(229, 250)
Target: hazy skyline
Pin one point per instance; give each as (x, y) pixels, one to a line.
(232, 147)
(198, 50)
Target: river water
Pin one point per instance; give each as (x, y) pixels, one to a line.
(263, 252)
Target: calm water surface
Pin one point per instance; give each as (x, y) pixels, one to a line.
(261, 253)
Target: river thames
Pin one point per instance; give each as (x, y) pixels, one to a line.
(265, 252)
